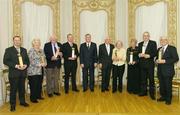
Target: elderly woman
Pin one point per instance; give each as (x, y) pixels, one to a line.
(119, 59)
(133, 75)
(35, 70)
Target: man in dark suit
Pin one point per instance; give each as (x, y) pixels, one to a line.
(53, 52)
(147, 51)
(17, 60)
(70, 54)
(105, 63)
(88, 61)
(166, 58)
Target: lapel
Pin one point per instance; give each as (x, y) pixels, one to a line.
(148, 45)
(105, 48)
(166, 51)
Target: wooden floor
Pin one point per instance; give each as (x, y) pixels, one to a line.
(96, 103)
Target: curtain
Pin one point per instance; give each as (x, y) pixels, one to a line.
(37, 22)
(153, 19)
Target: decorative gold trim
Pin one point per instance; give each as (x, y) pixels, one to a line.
(53, 4)
(172, 16)
(93, 5)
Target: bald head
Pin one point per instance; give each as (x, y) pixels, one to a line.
(53, 38)
(163, 40)
(107, 40)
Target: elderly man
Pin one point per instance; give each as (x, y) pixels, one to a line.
(147, 52)
(166, 58)
(105, 62)
(53, 52)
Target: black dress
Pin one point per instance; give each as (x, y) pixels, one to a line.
(133, 72)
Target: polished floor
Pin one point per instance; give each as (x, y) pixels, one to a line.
(96, 103)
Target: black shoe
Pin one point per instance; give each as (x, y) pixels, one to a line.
(24, 104)
(13, 108)
(160, 99)
(41, 98)
(152, 97)
(168, 103)
(114, 91)
(92, 90)
(75, 90)
(50, 95)
(34, 101)
(84, 90)
(107, 89)
(142, 94)
(58, 94)
(66, 92)
(103, 91)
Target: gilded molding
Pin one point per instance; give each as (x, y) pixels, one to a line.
(93, 5)
(172, 17)
(53, 4)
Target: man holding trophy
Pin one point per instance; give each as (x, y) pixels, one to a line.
(17, 60)
(53, 54)
(70, 54)
(166, 58)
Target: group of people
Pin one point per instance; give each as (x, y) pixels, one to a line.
(140, 59)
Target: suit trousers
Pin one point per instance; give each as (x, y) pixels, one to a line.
(52, 80)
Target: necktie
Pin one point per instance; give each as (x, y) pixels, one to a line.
(88, 46)
(54, 48)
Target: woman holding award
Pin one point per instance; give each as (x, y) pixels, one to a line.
(133, 78)
(119, 59)
(35, 70)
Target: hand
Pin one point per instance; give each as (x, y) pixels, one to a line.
(116, 59)
(82, 65)
(161, 61)
(146, 56)
(22, 67)
(100, 65)
(53, 58)
(95, 64)
(141, 55)
(43, 65)
(60, 54)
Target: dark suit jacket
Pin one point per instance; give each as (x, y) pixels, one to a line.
(135, 54)
(88, 56)
(104, 58)
(151, 49)
(11, 59)
(67, 52)
(171, 57)
(49, 53)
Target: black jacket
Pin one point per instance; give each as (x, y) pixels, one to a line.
(88, 56)
(171, 57)
(49, 53)
(11, 60)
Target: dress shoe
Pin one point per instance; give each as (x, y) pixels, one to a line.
(152, 97)
(160, 99)
(102, 90)
(114, 91)
(75, 90)
(58, 94)
(142, 94)
(50, 95)
(24, 104)
(34, 101)
(92, 90)
(41, 98)
(107, 89)
(168, 103)
(66, 92)
(13, 108)
(84, 90)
